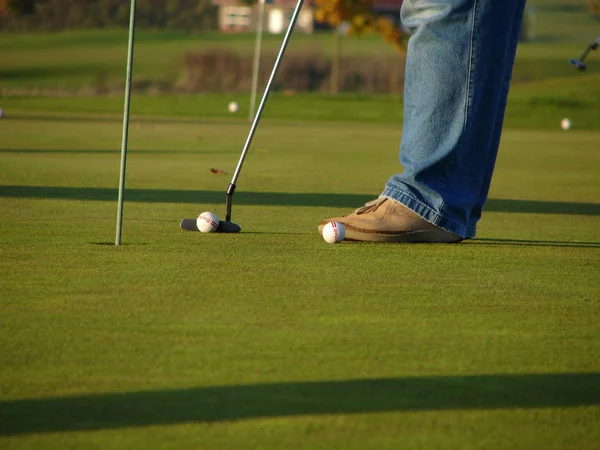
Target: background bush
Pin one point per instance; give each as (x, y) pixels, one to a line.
(71, 14)
(223, 71)
(594, 7)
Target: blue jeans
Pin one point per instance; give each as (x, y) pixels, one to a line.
(458, 70)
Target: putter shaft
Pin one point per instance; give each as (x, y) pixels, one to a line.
(261, 106)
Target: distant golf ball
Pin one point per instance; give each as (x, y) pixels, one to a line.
(233, 107)
(207, 222)
(565, 124)
(334, 232)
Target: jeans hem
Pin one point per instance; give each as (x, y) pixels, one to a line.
(428, 214)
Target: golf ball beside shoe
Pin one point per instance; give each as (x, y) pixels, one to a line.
(334, 232)
(207, 222)
(565, 124)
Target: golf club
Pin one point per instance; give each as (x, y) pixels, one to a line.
(578, 63)
(228, 226)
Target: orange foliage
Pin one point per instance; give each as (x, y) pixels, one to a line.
(360, 17)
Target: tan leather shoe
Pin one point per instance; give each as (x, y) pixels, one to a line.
(384, 220)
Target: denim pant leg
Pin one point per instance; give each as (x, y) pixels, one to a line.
(485, 187)
(458, 67)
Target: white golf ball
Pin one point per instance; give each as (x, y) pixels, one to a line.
(565, 124)
(207, 222)
(233, 107)
(334, 232)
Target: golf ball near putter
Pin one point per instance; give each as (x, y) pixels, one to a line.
(207, 222)
(334, 232)
(565, 124)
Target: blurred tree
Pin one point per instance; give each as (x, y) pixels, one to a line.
(188, 14)
(21, 7)
(65, 14)
(361, 18)
(594, 7)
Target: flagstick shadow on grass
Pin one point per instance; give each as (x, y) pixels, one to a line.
(533, 243)
(231, 403)
(333, 200)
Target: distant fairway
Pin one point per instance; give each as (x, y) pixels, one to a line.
(38, 70)
(82, 59)
(272, 338)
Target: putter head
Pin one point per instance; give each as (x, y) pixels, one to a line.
(226, 226)
(578, 64)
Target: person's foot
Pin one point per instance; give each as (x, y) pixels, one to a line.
(384, 220)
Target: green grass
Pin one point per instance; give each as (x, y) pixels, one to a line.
(37, 66)
(272, 338)
(540, 105)
(76, 59)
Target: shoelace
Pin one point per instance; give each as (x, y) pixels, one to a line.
(370, 206)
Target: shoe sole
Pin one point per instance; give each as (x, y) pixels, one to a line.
(423, 236)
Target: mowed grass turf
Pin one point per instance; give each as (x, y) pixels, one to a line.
(272, 338)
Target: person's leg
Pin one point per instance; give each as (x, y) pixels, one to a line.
(458, 67)
(495, 142)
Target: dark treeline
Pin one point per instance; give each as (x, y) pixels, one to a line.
(73, 14)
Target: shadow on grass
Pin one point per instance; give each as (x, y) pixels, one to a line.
(272, 198)
(116, 116)
(40, 72)
(123, 243)
(117, 151)
(533, 243)
(230, 403)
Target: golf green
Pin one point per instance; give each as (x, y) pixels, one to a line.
(272, 338)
